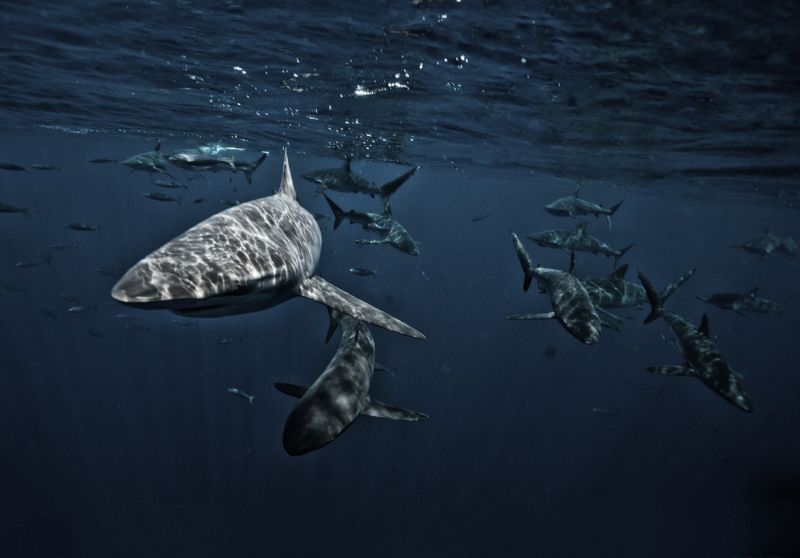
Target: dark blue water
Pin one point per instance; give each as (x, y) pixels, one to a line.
(124, 442)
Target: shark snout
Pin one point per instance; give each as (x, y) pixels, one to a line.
(133, 287)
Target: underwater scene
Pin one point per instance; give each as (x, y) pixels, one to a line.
(406, 278)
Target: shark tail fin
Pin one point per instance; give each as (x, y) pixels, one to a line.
(621, 253)
(375, 408)
(611, 211)
(248, 174)
(675, 285)
(338, 212)
(524, 260)
(391, 187)
(287, 184)
(319, 290)
(652, 296)
(290, 389)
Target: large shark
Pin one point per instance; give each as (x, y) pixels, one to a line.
(572, 306)
(614, 291)
(702, 360)
(343, 179)
(149, 161)
(577, 240)
(744, 303)
(571, 206)
(339, 395)
(246, 258)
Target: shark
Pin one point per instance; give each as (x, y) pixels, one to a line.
(577, 240)
(702, 359)
(200, 159)
(149, 161)
(572, 206)
(744, 303)
(382, 224)
(572, 305)
(343, 179)
(340, 394)
(248, 168)
(246, 258)
(767, 243)
(614, 291)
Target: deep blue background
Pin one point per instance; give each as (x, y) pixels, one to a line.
(129, 444)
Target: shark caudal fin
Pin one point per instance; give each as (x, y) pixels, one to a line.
(319, 290)
(338, 213)
(652, 296)
(672, 287)
(612, 210)
(524, 260)
(621, 253)
(287, 184)
(333, 323)
(375, 408)
(391, 187)
(248, 174)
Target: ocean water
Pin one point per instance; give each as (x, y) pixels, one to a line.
(118, 436)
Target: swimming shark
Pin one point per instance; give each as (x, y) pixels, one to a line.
(702, 360)
(577, 240)
(571, 206)
(339, 395)
(198, 159)
(614, 291)
(249, 168)
(572, 306)
(343, 179)
(742, 303)
(382, 224)
(247, 258)
(767, 243)
(149, 161)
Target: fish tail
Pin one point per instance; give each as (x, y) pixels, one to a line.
(652, 296)
(621, 253)
(249, 174)
(524, 260)
(338, 212)
(391, 187)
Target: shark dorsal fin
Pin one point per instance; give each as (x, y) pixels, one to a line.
(347, 164)
(572, 262)
(577, 190)
(753, 292)
(287, 184)
(619, 273)
(158, 146)
(387, 209)
(704, 326)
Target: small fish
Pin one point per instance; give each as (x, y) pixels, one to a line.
(11, 288)
(82, 227)
(169, 184)
(320, 216)
(106, 271)
(79, 309)
(45, 167)
(8, 208)
(230, 203)
(13, 167)
(63, 245)
(133, 326)
(229, 341)
(158, 196)
(102, 160)
(240, 393)
(127, 317)
(362, 272)
(33, 262)
(95, 333)
(48, 313)
(199, 200)
(604, 411)
(480, 217)
(183, 323)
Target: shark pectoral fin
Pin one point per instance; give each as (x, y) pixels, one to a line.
(672, 370)
(704, 326)
(290, 389)
(375, 408)
(541, 316)
(319, 290)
